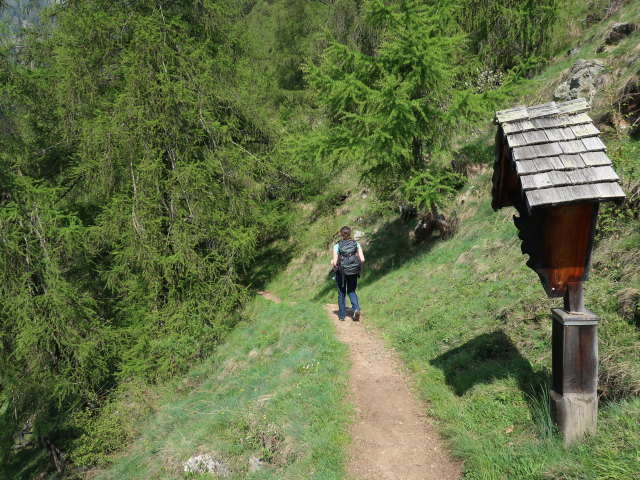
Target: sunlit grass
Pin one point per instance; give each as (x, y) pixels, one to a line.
(276, 390)
(472, 322)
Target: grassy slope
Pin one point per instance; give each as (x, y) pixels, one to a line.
(472, 322)
(275, 390)
(470, 319)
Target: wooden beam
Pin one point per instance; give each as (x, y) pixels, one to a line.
(574, 360)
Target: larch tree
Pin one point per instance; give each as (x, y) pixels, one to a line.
(134, 191)
(393, 111)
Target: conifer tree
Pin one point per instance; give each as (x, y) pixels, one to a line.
(134, 190)
(393, 111)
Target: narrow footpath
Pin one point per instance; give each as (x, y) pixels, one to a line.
(391, 436)
(392, 439)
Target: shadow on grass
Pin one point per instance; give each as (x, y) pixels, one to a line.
(30, 462)
(489, 357)
(386, 250)
(271, 260)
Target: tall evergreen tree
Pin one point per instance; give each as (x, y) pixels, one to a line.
(392, 111)
(134, 190)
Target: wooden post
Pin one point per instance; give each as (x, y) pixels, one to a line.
(574, 395)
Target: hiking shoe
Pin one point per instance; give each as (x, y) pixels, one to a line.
(356, 315)
(341, 319)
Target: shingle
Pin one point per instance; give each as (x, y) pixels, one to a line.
(593, 143)
(610, 190)
(572, 146)
(578, 119)
(572, 161)
(524, 167)
(604, 174)
(559, 134)
(584, 130)
(595, 158)
(528, 182)
(546, 122)
(557, 178)
(509, 128)
(518, 127)
(524, 153)
(536, 198)
(579, 105)
(547, 149)
(573, 193)
(556, 163)
(582, 176)
(544, 110)
(581, 192)
(578, 176)
(535, 136)
(563, 194)
(511, 114)
(516, 140)
(544, 180)
(543, 164)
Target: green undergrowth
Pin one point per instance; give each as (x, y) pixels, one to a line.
(275, 391)
(472, 322)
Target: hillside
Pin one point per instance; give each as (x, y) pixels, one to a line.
(156, 264)
(472, 324)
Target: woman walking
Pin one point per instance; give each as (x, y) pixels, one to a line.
(347, 262)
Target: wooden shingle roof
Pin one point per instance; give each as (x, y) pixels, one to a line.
(556, 154)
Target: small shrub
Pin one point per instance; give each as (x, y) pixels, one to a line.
(110, 429)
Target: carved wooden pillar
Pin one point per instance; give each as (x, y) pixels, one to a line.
(574, 395)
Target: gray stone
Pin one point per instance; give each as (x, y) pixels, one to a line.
(619, 31)
(581, 82)
(206, 463)
(255, 464)
(562, 92)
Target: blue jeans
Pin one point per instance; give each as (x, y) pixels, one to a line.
(346, 288)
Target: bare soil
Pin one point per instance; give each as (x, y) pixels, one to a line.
(391, 437)
(270, 296)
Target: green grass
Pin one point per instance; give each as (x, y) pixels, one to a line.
(473, 324)
(276, 390)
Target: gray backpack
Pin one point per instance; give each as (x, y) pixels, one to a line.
(348, 261)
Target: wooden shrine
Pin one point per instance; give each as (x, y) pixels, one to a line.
(551, 165)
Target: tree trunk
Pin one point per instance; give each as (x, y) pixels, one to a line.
(433, 220)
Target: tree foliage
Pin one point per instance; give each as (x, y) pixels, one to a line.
(392, 111)
(134, 192)
(504, 34)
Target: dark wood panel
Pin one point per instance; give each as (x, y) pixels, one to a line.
(574, 358)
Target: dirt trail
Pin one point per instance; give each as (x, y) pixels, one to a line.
(270, 296)
(392, 438)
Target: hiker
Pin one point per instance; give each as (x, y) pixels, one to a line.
(347, 262)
